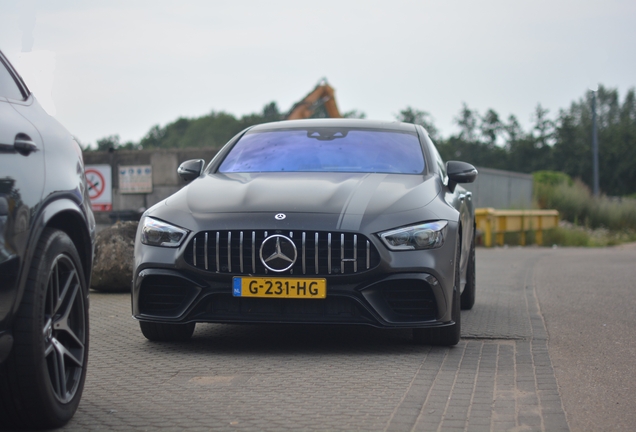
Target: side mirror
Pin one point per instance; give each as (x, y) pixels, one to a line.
(191, 169)
(460, 172)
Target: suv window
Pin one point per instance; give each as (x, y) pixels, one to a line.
(8, 86)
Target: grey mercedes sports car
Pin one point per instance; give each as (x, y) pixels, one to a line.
(312, 221)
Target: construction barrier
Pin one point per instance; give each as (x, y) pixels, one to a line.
(498, 222)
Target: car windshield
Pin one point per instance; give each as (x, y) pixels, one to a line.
(326, 150)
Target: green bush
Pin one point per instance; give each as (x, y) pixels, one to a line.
(551, 178)
(576, 204)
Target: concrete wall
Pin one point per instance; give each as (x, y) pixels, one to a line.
(165, 180)
(501, 189)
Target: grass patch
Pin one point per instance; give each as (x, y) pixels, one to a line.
(566, 237)
(570, 235)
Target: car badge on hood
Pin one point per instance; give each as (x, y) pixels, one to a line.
(280, 216)
(278, 253)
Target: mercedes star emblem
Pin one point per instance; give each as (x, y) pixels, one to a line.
(280, 216)
(278, 253)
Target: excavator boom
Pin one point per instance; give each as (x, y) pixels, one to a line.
(323, 94)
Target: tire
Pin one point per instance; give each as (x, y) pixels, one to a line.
(451, 334)
(41, 382)
(160, 332)
(468, 295)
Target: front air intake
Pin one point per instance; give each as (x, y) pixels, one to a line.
(163, 295)
(411, 298)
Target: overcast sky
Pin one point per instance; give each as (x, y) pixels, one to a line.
(120, 67)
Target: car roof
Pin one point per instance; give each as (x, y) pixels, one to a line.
(343, 122)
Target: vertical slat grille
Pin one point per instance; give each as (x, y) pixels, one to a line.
(205, 251)
(218, 252)
(241, 251)
(319, 253)
(253, 252)
(229, 251)
(329, 267)
(304, 254)
(316, 258)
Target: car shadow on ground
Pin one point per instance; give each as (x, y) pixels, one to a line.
(297, 339)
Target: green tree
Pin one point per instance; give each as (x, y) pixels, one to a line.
(490, 127)
(543, 126)
(512, 129)
(212, 130)
(153, 138)
(271, 113)
(466, 145)
(519, 145)
(467, 122)
(111, 143)
(572, 151)
(354, 114)
(107, 143)
(422, 118)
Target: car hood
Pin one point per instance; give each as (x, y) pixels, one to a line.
(343, 194)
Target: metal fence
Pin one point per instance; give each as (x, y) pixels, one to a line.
(501, 189)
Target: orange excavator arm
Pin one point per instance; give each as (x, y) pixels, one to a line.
(323, 94)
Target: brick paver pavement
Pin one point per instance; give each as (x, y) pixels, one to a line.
(232, 377)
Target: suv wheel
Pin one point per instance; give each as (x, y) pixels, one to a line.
(43, 378)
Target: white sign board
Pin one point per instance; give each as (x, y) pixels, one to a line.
(99, 179)
(135, 179)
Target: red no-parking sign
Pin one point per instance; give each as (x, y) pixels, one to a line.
(100, 187)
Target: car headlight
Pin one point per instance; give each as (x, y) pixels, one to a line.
(428, 235)
(158, 233)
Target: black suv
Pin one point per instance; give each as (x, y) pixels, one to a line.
(47, 232)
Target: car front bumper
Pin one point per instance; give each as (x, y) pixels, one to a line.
(406, 289)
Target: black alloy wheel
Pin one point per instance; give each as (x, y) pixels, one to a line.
(64, 329)
(43, 379)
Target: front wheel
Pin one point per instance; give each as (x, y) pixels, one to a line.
(41, 382)
(442, 336)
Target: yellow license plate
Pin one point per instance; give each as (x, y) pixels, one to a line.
(279, 287)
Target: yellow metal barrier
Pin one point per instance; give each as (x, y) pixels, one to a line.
(498, 222)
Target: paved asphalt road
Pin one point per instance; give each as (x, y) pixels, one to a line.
(548, 346)
(588, 302)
